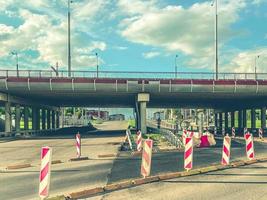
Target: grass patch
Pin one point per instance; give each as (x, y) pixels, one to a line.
(131, 123)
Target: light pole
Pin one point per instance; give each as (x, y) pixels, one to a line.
(175, 61)
(97, 64)
(258, 56)
(69, 54)
(15, 53)
(215, 4)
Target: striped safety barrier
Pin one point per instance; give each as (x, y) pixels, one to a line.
(226, 150)
(139, 141)
(78, 145)
(146, 158)
(188, 153)
(233, 132)
(249, 146)
(44, 178)
(260, 133)
(245, 131)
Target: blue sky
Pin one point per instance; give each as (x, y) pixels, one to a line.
(134, 35)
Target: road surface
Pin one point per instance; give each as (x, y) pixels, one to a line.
(247, 182)
(66, 177)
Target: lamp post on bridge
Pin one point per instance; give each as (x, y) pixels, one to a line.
(69, 45)
(256, 57)
(175, 61)
(15, 53)
(97, 64)
(215, 4)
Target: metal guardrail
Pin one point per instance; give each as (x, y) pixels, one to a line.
(132, 74)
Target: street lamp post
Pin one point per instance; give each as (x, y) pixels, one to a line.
(176, 57)
(15, 53)
(69, 46)
(215, 4)
(258, 56)
(97, 65)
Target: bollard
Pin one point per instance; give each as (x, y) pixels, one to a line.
(188, 153)
(261, 133)
(249, 146)
(44, 178)
(78, 145)
(139, 141)
(146, 158)
(226, 150)
(233, 132)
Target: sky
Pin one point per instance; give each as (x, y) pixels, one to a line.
(134, 35)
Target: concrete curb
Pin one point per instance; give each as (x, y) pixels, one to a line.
(166, 176)
(108, 155)
(78, 159)
(54, 162)
(19, 166)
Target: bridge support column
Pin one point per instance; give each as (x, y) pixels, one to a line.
(48, 115)
(263, 117)
(53, 119)
(26, 118)
(34, 118)
(57, 119)
(17, 117)
(43, 119)
(8, 120)
(200, 122)
(216, 120)
(240, 119)
(142, 99)
(226, 121)
(233, 119)
(253, 118)
(244, 118)
(220, 122)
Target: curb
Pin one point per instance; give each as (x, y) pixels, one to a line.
(166, 176)
(78, 159)
(20, 166)
(108, 155)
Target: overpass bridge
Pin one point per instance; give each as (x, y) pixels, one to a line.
(47, 91)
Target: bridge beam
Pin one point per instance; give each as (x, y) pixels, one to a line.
(143, 99)
(263, 117)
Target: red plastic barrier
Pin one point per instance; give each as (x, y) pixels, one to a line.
(204, 142)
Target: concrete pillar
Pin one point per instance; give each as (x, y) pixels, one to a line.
(226, 121)
(220, 122)
(48, 115)
(142, 99)
(38, 121)
(54, 120)
(34, 118)
(244, 118)
(216, 120)
(17, 117)
(240, 119)
(26, 118)
(233, 119)
(57, 119)
(263, 117)
(8, 119)
(253, 118)
(200, 122)
(43, 119)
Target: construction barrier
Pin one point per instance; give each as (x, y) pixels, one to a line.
(44, 179)
(146, 158)
(188, 153)
(226, 150)
(78, 144)
(233, 132)
(128, 135)
(249, 146)
(260, 133)
(139, 141)
(245, 131)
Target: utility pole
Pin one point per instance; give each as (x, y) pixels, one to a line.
(15, 53)
(69, 46)
(215, 4)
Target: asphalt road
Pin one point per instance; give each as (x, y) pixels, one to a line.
(248, 183)
(173, 161)
(66, 177)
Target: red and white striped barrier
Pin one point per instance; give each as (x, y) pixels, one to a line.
(233, 132)
(245, 131)
(139, 141)
(249, 146)
(226, 150)
(78, 145)
(44, 179)
(146, 158)
(188, 153)
(260, 133)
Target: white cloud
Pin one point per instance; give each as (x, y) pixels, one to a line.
(136, 7)
(151, 54)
